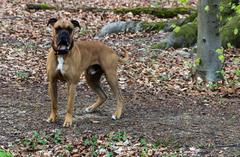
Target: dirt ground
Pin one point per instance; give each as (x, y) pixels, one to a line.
(206, 121)
(172, 116)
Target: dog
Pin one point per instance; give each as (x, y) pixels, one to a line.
(68, 59)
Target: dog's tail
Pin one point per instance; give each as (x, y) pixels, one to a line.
(126, 56)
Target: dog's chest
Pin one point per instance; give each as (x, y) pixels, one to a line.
(60, 64)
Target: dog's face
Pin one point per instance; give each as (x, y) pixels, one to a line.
(62, 34)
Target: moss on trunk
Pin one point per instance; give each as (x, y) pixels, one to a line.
(158, 12)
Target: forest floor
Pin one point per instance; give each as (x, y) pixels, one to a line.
(161, 104)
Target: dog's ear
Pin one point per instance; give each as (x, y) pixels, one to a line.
(75, 23)
(51, 21)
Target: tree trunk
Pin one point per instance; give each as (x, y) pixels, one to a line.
(208, 62)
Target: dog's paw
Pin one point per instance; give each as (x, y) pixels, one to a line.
(116, 116)
(67, 121)
(52, 118)
(67, 124)
(88, 110)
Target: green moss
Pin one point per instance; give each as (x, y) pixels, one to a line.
(190, 18)
(159, 12)
(45, 6)
(156, 46)
(227, 32)
(151, 26)
(41, 6)
(186, 36)
(161, 45)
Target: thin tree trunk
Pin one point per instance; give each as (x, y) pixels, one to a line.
(208, 64)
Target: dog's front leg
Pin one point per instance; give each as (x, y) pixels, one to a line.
(52, 91)
(71, 97)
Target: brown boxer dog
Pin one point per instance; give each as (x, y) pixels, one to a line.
(68, 59)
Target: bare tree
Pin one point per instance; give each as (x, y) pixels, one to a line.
(209, 53)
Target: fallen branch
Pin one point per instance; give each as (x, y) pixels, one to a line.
(158, 12)
(42, 6)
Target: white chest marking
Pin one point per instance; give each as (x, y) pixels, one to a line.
(60, 64)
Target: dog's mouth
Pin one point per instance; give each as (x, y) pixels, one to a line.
(63, 44)
(62, 49)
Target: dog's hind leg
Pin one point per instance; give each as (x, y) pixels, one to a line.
(93, 75)
(111, 76)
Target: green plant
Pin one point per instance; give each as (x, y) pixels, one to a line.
(237, 72)
(109, 154)
(40, 140)
(91, 142)
(213, 86)
(156, 144)
(177, 29)
(220, 73)
(31, 46)
(69, 147)
(22, 75)
(143, 153)
(32, 142)
(220, 52)
(4, 153)
(29, 143)
(119, 136)
(237, 9)
(143, 142)
(57, 136)
(197, 61)
(163, 77)
(188, 64)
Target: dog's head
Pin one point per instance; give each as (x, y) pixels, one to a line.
(62, 35)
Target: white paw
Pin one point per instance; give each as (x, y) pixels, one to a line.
(114, 117)
(88, 110)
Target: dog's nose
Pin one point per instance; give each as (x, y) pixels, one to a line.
(63, 38)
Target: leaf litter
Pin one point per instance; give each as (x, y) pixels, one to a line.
(24, 41)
